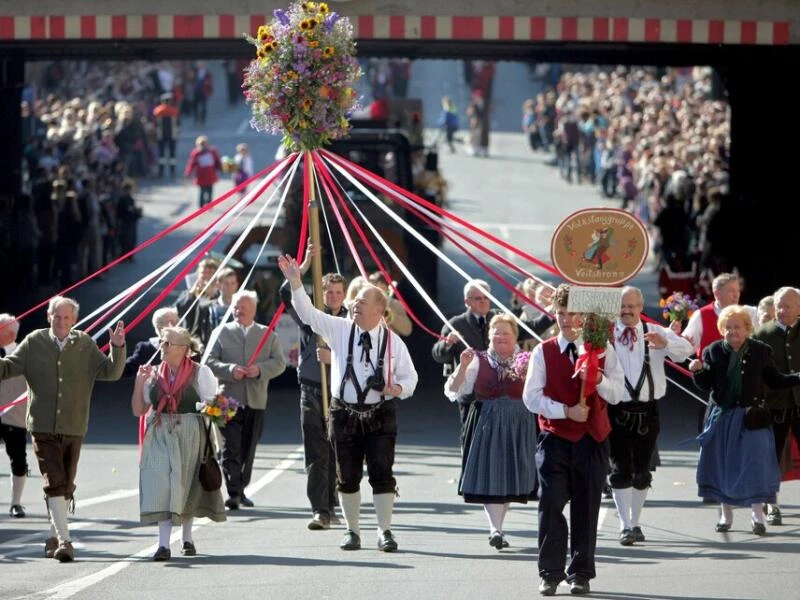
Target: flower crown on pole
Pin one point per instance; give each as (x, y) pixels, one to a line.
(302, 82)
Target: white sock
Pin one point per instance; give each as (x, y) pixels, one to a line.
(351, 509)
(496, 513)
(187, 529)
(164, 532)
(726, 515)
(637, 503)
(17, 485)
(758, 513)
(58, 517)
(623, 497)
(383, 510)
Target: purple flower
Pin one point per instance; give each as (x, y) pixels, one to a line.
(281, 15)
(330, 21)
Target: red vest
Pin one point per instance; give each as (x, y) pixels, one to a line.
(708, 317)
(562, 387)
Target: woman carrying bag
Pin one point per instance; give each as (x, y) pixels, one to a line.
(170, 491)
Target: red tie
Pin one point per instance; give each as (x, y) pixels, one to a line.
(628, 337)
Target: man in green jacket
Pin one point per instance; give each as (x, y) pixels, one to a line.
(61, 365)
(783, 336)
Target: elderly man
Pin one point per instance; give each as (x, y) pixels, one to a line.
(246, 382)
(12, 419)
(572, 454)
(784, 338)
(61, 365)
(641, 349)
(319, 457)
(370, 367)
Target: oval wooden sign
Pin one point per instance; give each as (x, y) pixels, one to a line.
(599, 246)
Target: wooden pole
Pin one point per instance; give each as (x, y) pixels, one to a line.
(316, 267)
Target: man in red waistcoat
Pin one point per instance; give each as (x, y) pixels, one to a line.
(572, 453)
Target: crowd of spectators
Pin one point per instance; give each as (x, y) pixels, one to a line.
(88, 136)
(657, 139)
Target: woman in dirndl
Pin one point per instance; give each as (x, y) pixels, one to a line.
(500, 433)
(174, 442)
(737, 464)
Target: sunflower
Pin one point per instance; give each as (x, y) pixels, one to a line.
(261, 53)
(313, 23)
(323, 8)
(305, 24)
(328, 52)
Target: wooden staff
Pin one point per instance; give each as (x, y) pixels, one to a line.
(316, 268)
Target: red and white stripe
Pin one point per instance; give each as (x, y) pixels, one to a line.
(405, 27)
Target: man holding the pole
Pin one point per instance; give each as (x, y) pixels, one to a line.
(370, 368)
(572, 456)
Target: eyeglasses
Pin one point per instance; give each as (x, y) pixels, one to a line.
(478, 298)
(167, 343)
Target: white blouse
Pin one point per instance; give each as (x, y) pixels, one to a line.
(206, 384)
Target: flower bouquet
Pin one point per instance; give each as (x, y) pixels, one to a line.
(228, 164)
(302, 81)
(677, 307)
(596, 333)
(220, 409)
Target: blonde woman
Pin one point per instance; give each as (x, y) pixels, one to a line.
(737, 465)
(169, 485)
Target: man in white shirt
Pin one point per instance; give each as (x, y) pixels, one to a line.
(370, 367)
(641, 349)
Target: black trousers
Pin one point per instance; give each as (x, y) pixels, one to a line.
(166, 156)
(318, 450)
(241, 437)
(784, 422)
(370, 437)
(634, 431)
(571, 472)
(15, 439)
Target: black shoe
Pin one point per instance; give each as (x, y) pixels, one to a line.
(232, 503)
(188, 549)
(547, 587)
(496, 540)
(245, 501)
(17, 511)
(627, 537)
(162, 554)
(351, 541)
(607, 495)
(505, 541)
(387, 543)
(638, 534)
(722, 527)
(579, 586)
(759, 528)
(774, 516)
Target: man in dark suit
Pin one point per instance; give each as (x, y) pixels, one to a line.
(783, 337)
(247, 384)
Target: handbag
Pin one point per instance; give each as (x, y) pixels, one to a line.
(210, 473)
(757, 417)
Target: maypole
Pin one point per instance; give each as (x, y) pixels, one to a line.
(316, 262)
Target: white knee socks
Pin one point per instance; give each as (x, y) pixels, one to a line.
(726, 514)
(383, 510)
(17, 485)
(351, 509)
(637, 503)
(187, 528)
(58, 517)
(496, 513)
(758, 513)
(623, 498)
(164, 532)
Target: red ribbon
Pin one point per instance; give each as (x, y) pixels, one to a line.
(590, 358)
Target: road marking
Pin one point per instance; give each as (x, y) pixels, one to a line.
(32, 542)
(69, 589)
(118, 495)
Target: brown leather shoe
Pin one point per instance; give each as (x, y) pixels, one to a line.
(64, 552)
(50, 546)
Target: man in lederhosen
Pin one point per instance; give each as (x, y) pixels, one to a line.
(370, 367)
(641, 349)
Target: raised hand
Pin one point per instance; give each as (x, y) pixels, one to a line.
(290, 269)
(118, 335)
(467, 356)
(144, 372)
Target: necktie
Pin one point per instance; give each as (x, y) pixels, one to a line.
(572, 352)
(366, 345)
(482, 327)
(628, 337)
